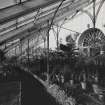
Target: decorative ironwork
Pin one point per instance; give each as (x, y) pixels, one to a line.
(92, 39)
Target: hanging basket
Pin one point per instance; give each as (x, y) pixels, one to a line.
(71, 82)
(83, 85)
(95, 88)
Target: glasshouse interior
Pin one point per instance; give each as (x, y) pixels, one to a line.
(52, 52)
